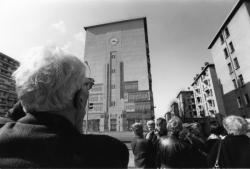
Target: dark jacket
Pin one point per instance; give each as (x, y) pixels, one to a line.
(175, 153)
(151, 136)
(143, 152)
(235, 152)
(43, 140)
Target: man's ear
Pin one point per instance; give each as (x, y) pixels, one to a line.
(80, 99)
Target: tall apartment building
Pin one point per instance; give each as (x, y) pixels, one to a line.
(118, 56)
(7, 86)
(186, 104)
(174, 110)
(207, 93)
(230, 50)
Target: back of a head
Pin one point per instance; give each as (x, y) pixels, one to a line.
(150, 122)
(216, 128)
(161, 120)
(235, 125)
(48, 79)
(137, 129)
(174, 125)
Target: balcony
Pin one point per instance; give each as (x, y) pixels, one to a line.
(211, 108)
(210, 97)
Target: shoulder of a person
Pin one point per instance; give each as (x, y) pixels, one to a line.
(103, 140)
(4, 120)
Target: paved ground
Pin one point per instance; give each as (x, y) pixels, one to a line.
(131, 160)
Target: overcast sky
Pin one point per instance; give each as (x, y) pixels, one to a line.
(179, 32)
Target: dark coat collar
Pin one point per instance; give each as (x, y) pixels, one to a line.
(54, 122)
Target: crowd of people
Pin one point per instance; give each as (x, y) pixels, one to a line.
(173, 145)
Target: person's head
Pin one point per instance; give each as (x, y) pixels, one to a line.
(216, 128)
(161, 124)
(195, 129)
(174, 125)
(235, 125)
(54, 81)
(137, 129)
(151, 125)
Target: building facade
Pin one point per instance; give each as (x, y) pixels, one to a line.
(7, 85)
(207, 93)
(118, 56)
(186, 105)
(230, 50)
(174, 110)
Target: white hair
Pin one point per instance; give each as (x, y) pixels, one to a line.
(150, 122)
(235, 125)
(48, 79)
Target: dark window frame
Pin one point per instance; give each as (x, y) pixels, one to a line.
(231, 46)
(246, 99)
(230, 68)
(239, 102)
(235, 84)
(227, 33)
(222, 40)
(236, 63)
(241, 80)
(226, 53)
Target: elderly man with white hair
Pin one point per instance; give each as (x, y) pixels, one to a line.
(52, 89)
(235, 147)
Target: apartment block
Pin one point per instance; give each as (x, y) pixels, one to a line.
(174, 110)
(118, 56)
(186, 104)
(207, 93)
(230, 49)
(7, 85)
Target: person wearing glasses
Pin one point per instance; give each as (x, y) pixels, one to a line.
(52, 89)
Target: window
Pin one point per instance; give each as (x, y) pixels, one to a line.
(113, 71)
(198, 99)
(230, 68)
(241, 80)
(236, 63)
(239, 102)
(227, 32)
(112, 124)
(246, 98)
(231, 46)
(112, 103)
(112, 86)
(222, 39)
(226, 53)
(234, 82)
(113, 54)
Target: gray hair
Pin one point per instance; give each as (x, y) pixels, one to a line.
(48, 79)
(137, 128)
(174, 125)
(235, 125)
(150, 122)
